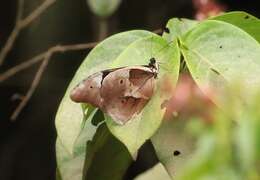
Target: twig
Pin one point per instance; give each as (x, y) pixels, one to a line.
(34, 85)
(36, 13)
(19, 15)
(10, 41)
(45, 57)
(22, 23)
(59, 48)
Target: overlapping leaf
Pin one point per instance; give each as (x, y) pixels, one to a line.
(178, 27)
(70, 166)
(243, 20)
(69, 117)
(142, 127)
(217, 53)
(173, 146)
(106, 157)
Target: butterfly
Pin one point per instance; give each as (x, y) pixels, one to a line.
(121, 93)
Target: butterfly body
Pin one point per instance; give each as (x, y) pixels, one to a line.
(121, 93)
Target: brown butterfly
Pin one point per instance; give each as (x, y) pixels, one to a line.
(122, 93)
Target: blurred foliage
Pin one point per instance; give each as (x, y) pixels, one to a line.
(195, 138)
(228, 147)
(103, 8)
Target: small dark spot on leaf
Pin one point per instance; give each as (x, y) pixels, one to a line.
(167, 30)
(91, 87)
(121, 81)
(176, 153)
(238, 56)
(215, 71)
(246, 17)
(220, 46)
(180, 19)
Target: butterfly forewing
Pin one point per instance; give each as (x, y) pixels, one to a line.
(142, 82)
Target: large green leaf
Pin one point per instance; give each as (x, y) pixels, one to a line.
(94, 150)
(69, 117)
(178, 27)
(217, 53)
(70, 166)
(106, 157)
(134, 133)
(173, 145)
(243, 20)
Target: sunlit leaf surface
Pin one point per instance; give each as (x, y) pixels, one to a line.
(69, 117)
(134, 133)
(218, 53)
(243, 20)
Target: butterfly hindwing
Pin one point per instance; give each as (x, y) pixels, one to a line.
(124, 108)
(88, 91)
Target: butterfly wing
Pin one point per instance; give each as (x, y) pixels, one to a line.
(122, 109)
(142, 83)
(126, 91)
(88, 91)
(121, 93)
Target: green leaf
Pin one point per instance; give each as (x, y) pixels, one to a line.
(178, 27)
(155, 173)
(246, 141)
(134, 133)
(243, 20)
(214, 151)
(103, 8)
(218, 53)
(69, 117)
(58, 176)
(172, 138)
(70, 166)
(106, 157)
(247, 133)
(201, 163)
(94, 151)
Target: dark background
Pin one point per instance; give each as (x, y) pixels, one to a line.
(27, 146)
